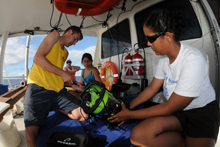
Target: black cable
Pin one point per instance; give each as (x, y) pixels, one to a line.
(55, 27)
(68, 19)
(123, 8)
(117, 7)
(92, 25)
(96, 19)
(105, 22)
(57, 23)
(86, 119)
(52, 13)
(129, 10)
(81, 25)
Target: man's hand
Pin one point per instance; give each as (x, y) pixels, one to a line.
(122, 116)
(67, 78)
(76, 87)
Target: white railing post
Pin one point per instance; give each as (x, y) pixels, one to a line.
(2, 53)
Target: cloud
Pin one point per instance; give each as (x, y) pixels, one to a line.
(15, 50)
(76, 55)
(15, 54)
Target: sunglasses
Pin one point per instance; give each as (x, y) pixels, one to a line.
(151, 39)
(68, 62)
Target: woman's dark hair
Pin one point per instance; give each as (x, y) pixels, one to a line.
(87, 55)
(162, 21)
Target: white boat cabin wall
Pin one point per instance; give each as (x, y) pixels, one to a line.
(126, 32)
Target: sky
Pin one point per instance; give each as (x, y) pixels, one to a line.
(14, 59)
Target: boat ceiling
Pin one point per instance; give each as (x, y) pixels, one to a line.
(16, 16)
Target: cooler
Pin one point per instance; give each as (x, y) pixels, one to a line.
(3, 88)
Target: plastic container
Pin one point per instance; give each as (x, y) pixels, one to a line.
(3, 88)
(9, 136)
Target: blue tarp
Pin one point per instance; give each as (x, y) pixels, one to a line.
(57, 122)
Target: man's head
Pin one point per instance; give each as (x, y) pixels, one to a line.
(72, 35)
(76, 30)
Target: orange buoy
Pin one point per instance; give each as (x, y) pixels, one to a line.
(85, 7)
(111, 65)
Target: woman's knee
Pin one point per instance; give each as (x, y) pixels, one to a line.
(147, 130)
(139, 134)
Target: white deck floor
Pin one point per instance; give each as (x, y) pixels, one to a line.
(19, 121)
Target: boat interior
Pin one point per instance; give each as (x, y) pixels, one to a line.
(118, 27)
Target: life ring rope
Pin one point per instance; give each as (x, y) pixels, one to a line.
(111, 65)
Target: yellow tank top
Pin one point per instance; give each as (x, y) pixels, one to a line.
(48, 80)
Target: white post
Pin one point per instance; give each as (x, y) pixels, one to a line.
(2, 53)
(26, 56)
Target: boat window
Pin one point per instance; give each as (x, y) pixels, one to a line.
(115, 39)
(192, 31)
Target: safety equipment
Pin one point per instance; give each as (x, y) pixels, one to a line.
(96, 99)
(128, 61)
(85, 7)
(105, 77)
(138, 68)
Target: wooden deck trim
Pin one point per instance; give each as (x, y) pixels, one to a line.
(12, 97)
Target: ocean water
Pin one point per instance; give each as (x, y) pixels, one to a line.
(13, 82)
(17, 82)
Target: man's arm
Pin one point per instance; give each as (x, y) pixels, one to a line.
(76, 68)
(41, 60)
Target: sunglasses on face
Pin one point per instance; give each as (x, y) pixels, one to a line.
(68, 62)
(151, 39)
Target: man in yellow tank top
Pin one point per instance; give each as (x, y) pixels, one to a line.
(46, 80)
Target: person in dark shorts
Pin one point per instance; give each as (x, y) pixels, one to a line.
(46, 80)
(190, 117)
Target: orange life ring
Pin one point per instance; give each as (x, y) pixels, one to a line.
(85, 7)
(114, 71)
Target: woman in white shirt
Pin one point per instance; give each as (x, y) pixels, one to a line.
(190, 117)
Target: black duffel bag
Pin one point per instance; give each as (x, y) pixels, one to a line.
(70, 139)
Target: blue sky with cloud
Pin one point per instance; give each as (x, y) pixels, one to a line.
(14, 59)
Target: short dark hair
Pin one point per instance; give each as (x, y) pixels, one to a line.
(75, 29)
(87, 55)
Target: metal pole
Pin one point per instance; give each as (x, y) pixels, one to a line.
(26, 56)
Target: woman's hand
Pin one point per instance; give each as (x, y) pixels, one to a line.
(121, 116)
(80, 85)
(76, 68)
